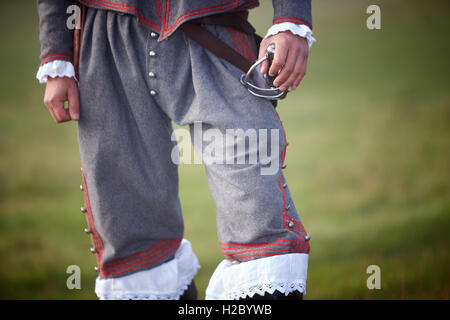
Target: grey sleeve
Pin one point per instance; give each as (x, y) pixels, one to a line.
(295, 11)
(55, 37)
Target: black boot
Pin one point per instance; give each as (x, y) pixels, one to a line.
(190, 293)
(277, 295)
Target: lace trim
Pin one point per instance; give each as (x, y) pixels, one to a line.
(283, 287)
(284, 273)
(297, 29)
(55, 68)
(146, 296)
(165, 282)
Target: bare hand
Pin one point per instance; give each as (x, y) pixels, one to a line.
(291, 56)
(57, 92)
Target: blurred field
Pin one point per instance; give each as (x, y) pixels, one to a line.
(368, 160)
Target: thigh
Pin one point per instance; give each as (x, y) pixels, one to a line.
(255, 213)
(131, 184)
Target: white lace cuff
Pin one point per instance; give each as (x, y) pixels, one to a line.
(297, 29)
(165, 282)
(233, 280)
(55, 68)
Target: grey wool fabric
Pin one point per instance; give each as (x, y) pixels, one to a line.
(133, 84)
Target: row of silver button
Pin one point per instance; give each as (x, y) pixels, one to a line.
(88, 230)
(291, 224)
(152, 54)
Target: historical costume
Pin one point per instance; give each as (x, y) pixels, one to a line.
(138, 72)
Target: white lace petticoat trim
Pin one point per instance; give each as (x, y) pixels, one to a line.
(285, 273)
(261, 289)
(297, 29)
(55, 68)
(165, 282)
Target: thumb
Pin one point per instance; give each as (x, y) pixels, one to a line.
(74, 103)
(264, 66)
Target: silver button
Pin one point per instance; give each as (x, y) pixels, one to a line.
(96, 269)
(290, 224)
(288, 207)
(307, 237)
(93, 250)
(285, 185)
(283, 166)
(153, 35)
(81, 187)
(152, 53)
(153, 92)
(87, 230)
(151, 74)
(83, 209)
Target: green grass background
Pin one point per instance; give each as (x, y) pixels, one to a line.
(368, 160)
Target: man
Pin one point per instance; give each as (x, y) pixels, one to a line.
(138, 72)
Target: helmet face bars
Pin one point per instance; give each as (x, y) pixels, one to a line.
(262, 86)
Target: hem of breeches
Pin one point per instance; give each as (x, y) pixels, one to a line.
(145, 259)
(249, 251)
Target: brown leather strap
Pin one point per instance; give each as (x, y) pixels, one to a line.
(236, 20)
(195, 31)
(215, 45)
(77, 37)
(258, 40)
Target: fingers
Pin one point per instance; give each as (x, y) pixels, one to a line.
(290, 60)
(56, 107)
(295, 68)
(53, 114)
(57, 92)
(60, 114)
(279, 59)
(284, 78)
(296, 75)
